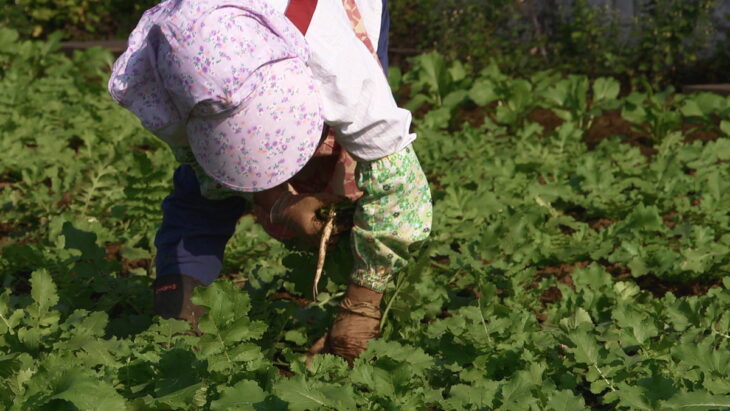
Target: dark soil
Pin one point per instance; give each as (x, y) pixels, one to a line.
(658, 287)
(284, 371)
(8, 183)
(472, 115)
(579, 214)
(669, 219)
(65, 201)
(564, 275)
(611, 124)
(700, 132)
(22, 283)
(563, 272)
(601, 223)
(286, 295)
(6, 230)
(547, 119)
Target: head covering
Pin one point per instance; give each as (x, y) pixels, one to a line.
(230, 80)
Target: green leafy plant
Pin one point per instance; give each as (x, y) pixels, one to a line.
(438, 86)
(665, 42)
(561, 273)
(652, 113)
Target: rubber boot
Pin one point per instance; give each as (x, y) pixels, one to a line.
(172, 295)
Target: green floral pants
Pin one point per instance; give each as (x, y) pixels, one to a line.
(394, 213)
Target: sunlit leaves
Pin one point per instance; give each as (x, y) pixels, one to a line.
(539, 288)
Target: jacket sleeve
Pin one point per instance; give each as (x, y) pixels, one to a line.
(357, 101)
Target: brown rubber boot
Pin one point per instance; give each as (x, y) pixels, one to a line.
(357, 323)
(172, 299)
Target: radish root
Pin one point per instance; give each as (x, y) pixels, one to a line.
(326, 234)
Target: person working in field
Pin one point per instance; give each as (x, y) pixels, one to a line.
(266, 103)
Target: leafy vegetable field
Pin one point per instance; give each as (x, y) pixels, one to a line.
(579, 257)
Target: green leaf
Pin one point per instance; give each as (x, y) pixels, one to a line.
(565, 401)
(86, 392)
(435, 73)
(483, 92)
(586, 348)
(163, 330)
(227, 317)
(454, 98)
(414, 357)
(641, 325)
(704, 356)
(481, 395)
(605, 89)
(632, 397)
(43, 290)
(697, 400)
(7, 38)
(626, 290)
(725, 127)
(180, 398)
(657, 387)
(557, 94)
(375, 379)
(241, 396)
(83, 241)
(457, 71)
(9, 365)
(328, 364)
(578, 318)
(178, 376)
(702, 105)
(304, 395)
(339, 396)
(296, 336)
(416, 102)
(438, 118)
(642, 218)
(692, 109)
(517, 392)
(395, 78)
(9, 319)
(633, 109)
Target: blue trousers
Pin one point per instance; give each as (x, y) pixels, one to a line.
(195, 230)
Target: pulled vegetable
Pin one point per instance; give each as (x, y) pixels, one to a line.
(329, 214)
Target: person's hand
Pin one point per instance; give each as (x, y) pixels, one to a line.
(298, 212)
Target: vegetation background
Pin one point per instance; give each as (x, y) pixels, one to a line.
(660, 41)
(580, 253)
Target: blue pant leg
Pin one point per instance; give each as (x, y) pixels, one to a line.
(194, 230)
(383, 38)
